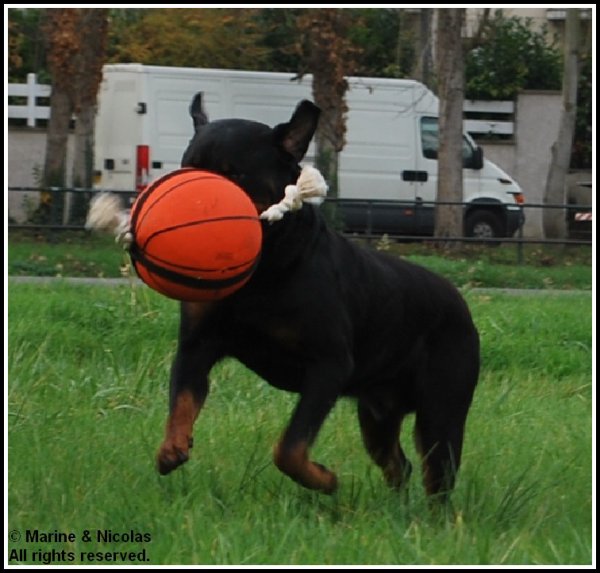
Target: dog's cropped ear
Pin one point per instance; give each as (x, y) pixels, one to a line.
(197, 112)
(295, 135)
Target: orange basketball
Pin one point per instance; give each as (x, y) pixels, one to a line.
(196, 236)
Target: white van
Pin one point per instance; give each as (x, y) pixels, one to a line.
(388, 168)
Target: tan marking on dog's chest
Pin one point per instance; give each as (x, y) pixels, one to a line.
(197, 311)
(285, 335)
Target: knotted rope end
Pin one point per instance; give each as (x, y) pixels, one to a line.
(309, 188)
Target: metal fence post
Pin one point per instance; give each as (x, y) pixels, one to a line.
(520, 246)
(31, 89)
(369, 221)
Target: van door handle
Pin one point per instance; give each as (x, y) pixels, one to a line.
(420, 176)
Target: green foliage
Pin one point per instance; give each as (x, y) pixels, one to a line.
(385, 41)
(280, 38)
(27, 50)
(382, 40)
(511, 57)
(581, 157)
(188, 37)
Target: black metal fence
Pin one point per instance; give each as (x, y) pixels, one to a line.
(54, 217)
(58, 214)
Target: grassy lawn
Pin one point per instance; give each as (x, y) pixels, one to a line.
(83, 255)
(64, 253)
(87, 399)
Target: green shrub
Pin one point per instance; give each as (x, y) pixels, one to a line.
(511, 57)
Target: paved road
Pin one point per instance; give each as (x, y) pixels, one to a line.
(137, 282)
(77, 280)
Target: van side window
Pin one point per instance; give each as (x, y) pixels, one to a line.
(429, 137)
(430, 140)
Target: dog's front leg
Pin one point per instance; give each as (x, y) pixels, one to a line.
(196, 354)
(291, 452)
(186, 400)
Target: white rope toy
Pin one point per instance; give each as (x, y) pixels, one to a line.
(107, 212)
(310, 188)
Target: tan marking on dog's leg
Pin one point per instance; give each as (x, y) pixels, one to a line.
(178, 439)
(294, 462)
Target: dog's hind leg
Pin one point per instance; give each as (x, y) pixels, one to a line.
(380, 432)
(188, 388)
(445, 393)
(439, 441)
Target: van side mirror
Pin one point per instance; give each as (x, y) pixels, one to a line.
(476, 159)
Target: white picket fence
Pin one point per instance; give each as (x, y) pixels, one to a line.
(32, 112)
(503, 110)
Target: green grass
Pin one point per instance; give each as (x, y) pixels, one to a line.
(80, 254)
(87, 400)
(74, 254)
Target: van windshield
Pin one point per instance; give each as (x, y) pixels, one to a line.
(430, 140)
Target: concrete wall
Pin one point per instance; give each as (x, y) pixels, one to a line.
(527, 159)
(26, 153)
(538, 116)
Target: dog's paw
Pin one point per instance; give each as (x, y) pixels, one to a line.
(294, 463)
(397, 474)
(328, 482)
(171, 456)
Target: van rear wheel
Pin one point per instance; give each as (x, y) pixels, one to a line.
(485, 225)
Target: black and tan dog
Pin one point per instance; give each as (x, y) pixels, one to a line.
(324, 318)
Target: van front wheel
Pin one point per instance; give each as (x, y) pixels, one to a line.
(484, 224)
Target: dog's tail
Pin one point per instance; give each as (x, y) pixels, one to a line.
(108, 214)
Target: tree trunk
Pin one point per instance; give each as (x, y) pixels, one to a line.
(329, 56)
(423, 57)
(83, 156)
(554, 220)
(60, 33)
(52, 205)
(450, 68)
(88, 65)
(329, 137)
(76, 204)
